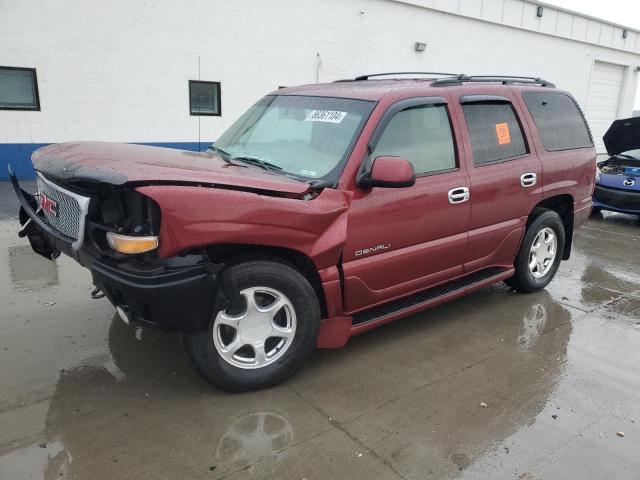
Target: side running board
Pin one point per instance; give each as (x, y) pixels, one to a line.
(394, 306)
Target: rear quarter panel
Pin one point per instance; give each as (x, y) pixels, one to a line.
(565, 172)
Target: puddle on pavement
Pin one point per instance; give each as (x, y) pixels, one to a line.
(29, 271)
(131, 386)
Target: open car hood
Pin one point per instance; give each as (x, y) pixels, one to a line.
(623, 135)
(120, 163)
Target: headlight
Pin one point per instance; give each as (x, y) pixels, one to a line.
(597, 173)
(131, 245)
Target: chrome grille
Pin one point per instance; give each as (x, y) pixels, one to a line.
(70, 209)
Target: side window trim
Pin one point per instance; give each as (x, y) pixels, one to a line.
(479, 99)
(475, 98)
(398, 107)
(388, 115)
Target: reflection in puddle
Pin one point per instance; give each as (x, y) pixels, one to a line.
(30, 271)
(254, 437)
(532, 326)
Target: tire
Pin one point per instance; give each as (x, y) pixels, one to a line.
(596, 212)
(217, 355)
(526, 279)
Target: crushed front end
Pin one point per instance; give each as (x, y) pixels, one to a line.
(113, 231)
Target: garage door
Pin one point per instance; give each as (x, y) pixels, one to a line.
(603, 99)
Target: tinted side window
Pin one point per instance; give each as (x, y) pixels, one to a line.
(559, 120)
(422, 135)
(494, 132)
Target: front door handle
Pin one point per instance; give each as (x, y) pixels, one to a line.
(528, 179)
(459, 195)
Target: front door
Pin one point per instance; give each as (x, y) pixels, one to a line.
(402, 240)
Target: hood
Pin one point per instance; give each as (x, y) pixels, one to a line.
(120, 163)
(623, 135)
(620, 173)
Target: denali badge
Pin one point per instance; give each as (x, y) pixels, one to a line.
(48, 205)
(377, 248)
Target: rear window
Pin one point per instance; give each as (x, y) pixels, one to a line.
(559, 121)
(494, 132)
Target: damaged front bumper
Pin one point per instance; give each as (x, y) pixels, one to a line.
(176, 294)
(171, 297)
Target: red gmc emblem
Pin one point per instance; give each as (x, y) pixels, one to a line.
(48, 206)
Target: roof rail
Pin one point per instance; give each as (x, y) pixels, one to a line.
(504, 79)
(366, 77)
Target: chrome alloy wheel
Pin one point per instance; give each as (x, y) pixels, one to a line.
(261, 334)
(543, 252)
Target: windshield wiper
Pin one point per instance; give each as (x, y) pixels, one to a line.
(259, 162)
(213, 148)
(224, 155)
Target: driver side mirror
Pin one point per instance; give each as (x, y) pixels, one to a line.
(389, 172)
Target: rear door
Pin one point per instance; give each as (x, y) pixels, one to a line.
(402, 240)
(506, 178)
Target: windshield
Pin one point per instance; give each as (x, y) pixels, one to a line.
(307, 137)
(631, 153)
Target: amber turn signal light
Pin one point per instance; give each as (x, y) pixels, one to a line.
(131, 245)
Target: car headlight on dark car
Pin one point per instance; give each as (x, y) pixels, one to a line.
(597, 173)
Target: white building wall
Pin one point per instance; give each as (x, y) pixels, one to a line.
(118, 70)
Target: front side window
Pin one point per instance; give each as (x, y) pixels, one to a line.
(204, 98)
(494, 132)
(18, 89)
(308, 137)
(559, 121)
(422, 135)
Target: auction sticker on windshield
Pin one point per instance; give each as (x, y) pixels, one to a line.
(331, 116)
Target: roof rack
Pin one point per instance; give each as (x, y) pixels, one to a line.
(504, 79)
(366, 77)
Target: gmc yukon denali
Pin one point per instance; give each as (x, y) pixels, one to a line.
(324, 211)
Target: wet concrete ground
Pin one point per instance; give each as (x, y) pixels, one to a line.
(84, 396)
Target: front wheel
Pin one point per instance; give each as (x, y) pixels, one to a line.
(267, 337)
(540, 253)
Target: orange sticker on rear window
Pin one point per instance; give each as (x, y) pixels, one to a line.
(502, 131)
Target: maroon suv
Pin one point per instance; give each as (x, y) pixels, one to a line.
(323, 212)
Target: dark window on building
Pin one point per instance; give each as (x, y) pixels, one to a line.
(204, 98)
(18, 89)
(422, 135)
(559, 121)
(494, 132)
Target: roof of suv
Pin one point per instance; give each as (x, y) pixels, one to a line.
(377, 89)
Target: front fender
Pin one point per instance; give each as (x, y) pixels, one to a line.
(195, 217)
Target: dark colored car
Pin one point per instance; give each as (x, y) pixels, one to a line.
(323, 212)
(618, 177)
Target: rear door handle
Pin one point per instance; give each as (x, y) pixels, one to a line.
(528, 179)
(459, 195)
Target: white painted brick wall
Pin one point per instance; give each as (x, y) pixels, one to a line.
(118, 70)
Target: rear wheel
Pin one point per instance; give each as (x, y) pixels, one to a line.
(267, 337)
(540, 253)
